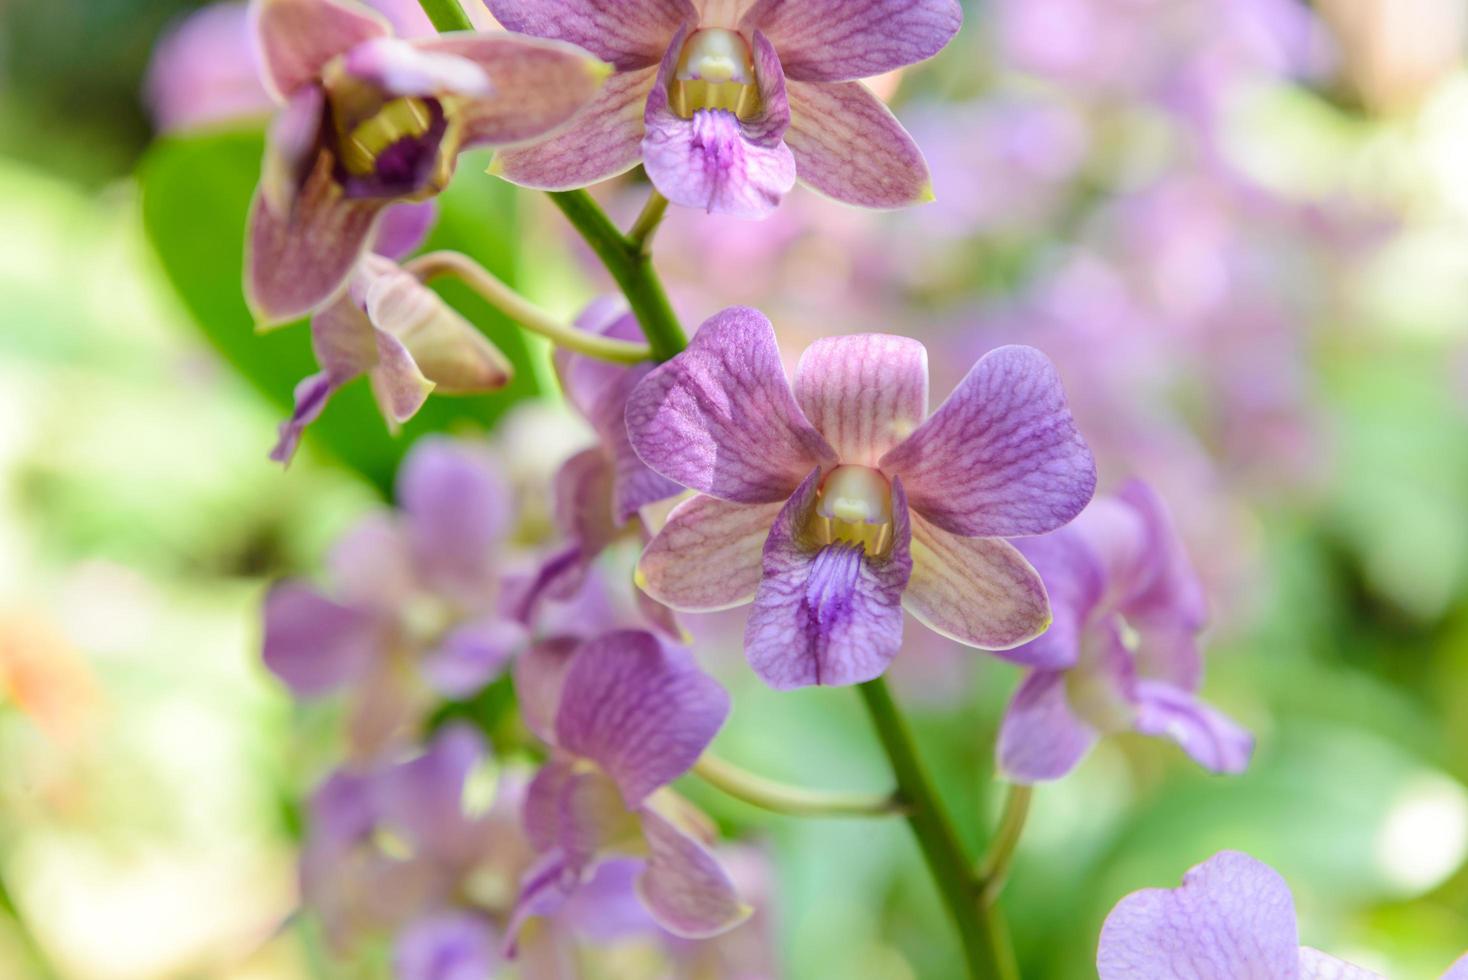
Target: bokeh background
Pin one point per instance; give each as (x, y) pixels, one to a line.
(1240, 227)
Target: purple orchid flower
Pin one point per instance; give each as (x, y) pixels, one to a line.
(391, 327)
(418, 594)
(726, 102)
(1123, 648)
(632, 714)
(1232, 918)
(837, 504)
(390, 846)
(370, 119)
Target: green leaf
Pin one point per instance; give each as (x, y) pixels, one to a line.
(196, 195)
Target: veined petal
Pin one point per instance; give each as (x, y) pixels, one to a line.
(1232, 917)
(1214, 741)
(401, 68)
(683, 886)
(849, 146)
(720, 417)
(1041, 738)
(601, 141)
(826, 614)
(1315, 965)
(629, 35)
(838, 40)
(314, 644)
(298, 261)
(978, 591)
(296, 38)
(457, 511)
(722, 13)
(641, 711)
(863, 393)
(536, 85)
(715, 161)
(1001, 457)
(708, 555)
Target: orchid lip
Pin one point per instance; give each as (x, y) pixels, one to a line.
(715, 71)
(855, 507)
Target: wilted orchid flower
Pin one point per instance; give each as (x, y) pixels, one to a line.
(726, 102)
(631, 715)
(804, 496)
(370, 119)
(391, 327)
(414, 598)
(1122, 653)
(1233, 918)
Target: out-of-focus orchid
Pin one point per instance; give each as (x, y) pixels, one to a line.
(370, 119)
(415, 598)
(391, 327)
(726, 102)
(407, 847)
(1233, 917)
(804, 494)
(1123, 650)
(631, 715)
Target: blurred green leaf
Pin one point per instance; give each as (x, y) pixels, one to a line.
(196, 194)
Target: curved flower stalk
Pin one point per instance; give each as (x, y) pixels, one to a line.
(1233, 917)
(630, 715)
(835, 505)
(391, 846)
(370, 119)
(392, 328)
(1128, 609)
(415, 600)
(727, 102)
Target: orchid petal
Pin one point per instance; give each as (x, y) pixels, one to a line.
(629, 35)
(298, 261)
(423, 797)
(400, 68)
(537, 85)
(398, 385)
(540, 673)
(1073, 581)
(720, 417)
(978, 591)
(457, 512)
(849, 147)
(473, 654)
(1172, 594)
(1001, 457)
(1041, 738)
(708, 556)
(578, 812)
(715, 161)
(311, 395)
(314, 644)
(826, 614)
(583, 501)
(683, 886)
(603, 140)
(1232, 917)
(447, 945)
(370, 565)
(838, 40)
(403, 228)
(722, 13)
(1214, 741)
(1315, 965)
(642, 711)
(296, 38)
(864, 393)
(291, 148)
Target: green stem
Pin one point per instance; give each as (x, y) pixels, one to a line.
(522, 311)
(630, 267)
(796, 801)
(994, 869)
(446, 15)
(936, 838)
(647, 222)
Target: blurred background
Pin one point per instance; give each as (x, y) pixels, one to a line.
(1240, 228)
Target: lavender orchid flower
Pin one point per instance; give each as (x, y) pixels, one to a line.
(837, 504)
(631, 715)
(391, 327)
(370, 119)
(726, 102)
(417, 596)
(1123, 650)
(1232, 918)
